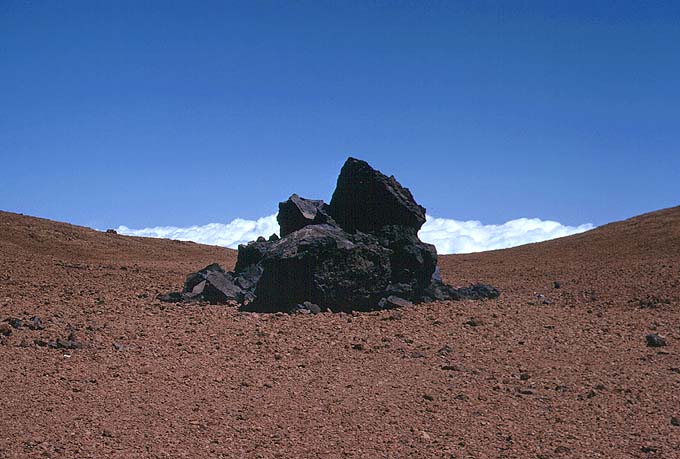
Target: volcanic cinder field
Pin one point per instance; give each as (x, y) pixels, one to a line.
(541, 372)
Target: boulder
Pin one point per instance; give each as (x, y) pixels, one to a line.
(324, 265)
(361, 252)
(211, 284)
(366, 200)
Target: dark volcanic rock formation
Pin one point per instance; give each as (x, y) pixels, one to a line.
(367, 200)
(361, 252)
(297, 212)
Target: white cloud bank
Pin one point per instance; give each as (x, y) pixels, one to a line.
(231, 234)
(449, 236)
(453, 236)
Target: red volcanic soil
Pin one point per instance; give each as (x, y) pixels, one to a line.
(541, 372)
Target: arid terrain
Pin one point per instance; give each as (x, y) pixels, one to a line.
(541, 372)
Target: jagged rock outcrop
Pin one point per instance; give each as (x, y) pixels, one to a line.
(361, 252)
(366, 200)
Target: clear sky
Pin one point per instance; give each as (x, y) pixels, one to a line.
(144, 113)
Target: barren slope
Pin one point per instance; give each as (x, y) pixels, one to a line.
(566, 374)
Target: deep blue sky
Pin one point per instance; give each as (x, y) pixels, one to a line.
(147, 113)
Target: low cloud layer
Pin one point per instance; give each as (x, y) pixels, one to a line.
(231, 234)
(453, 236)
(449, 236)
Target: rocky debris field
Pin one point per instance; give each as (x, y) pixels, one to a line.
(360, 252)
(559, 366)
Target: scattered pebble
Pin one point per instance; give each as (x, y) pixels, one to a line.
(5, 329)
(445, 350)
(474, 322)
(450, 367)
(35, 323)
(654, 340)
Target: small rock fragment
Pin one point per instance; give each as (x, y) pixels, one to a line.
(5, 329)
(450, 367)
(523, 376)
(172, 297)
(445, 350)
(35, 323)
(307, 307)
(675, 421)
(557, 284)
(392, 302)
(67, 344)
(474, 322)
(654, 340)
(15, 323)
(396, 315)
(479, 292)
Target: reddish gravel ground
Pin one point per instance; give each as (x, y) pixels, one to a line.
(539, 373)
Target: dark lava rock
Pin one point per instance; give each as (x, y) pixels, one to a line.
(214, 285)
(392, 302)
(366, 200)
(172, 297)
(361, 252)
(111, 231)
(675, 421)
(324, 265)
(654, 340)
(308, 308)
(15, 323)
(479, 292)
(557, 284)
(61, 343)
(5, 329)
(35, 323)
(297, 212)
(474, 322)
